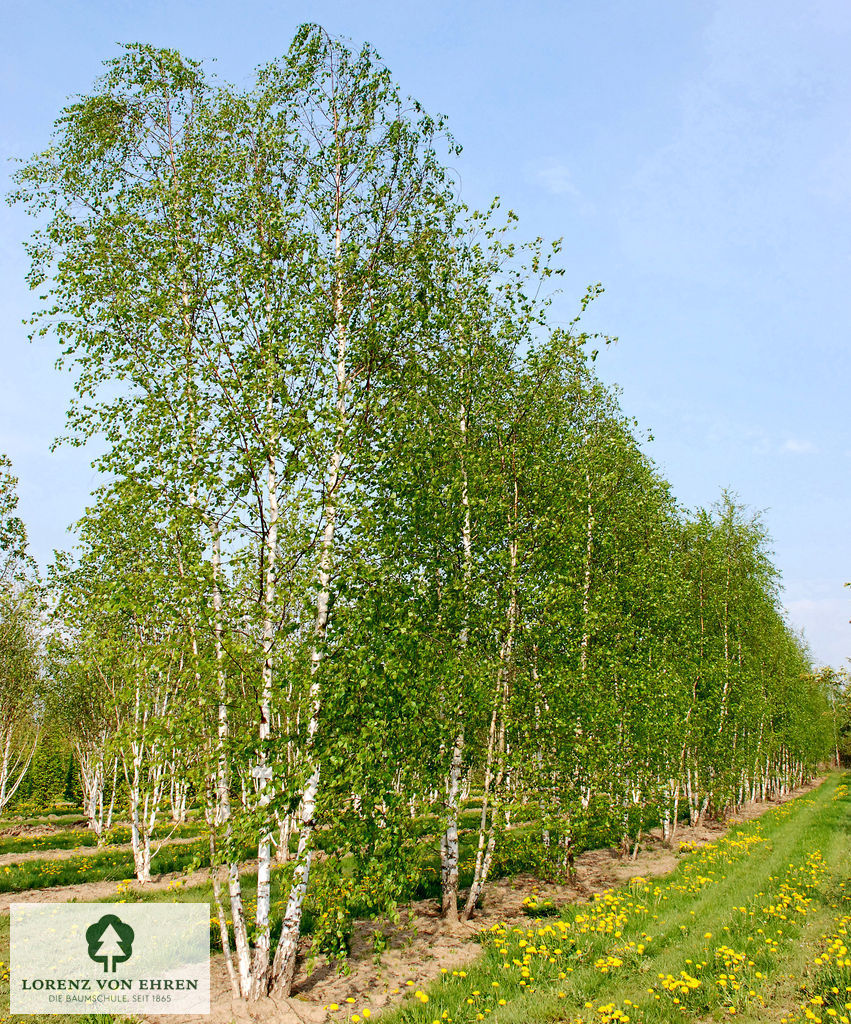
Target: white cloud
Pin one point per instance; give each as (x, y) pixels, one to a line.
(556, 179)
(798, 447)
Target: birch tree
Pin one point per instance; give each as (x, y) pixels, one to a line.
(20, 643)
(79, 707)
(125, 642)
(238, 259)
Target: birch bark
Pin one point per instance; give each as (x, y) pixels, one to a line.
(283, 968)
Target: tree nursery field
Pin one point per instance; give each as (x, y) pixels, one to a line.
(380, 613)
(752, 923)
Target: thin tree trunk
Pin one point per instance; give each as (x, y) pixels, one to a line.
(586, 583)
(283, 968)
(239, 975)
(263, 772)
(13, 770)
(484, 852)
(449, 850)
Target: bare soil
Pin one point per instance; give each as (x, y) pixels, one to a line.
(40, 831)
(421, 944)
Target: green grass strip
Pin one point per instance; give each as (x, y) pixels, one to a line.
(70, 839)
(708, 942)
(99, 866)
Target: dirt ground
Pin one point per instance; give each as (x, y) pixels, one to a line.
(39, 831)
(420, 945)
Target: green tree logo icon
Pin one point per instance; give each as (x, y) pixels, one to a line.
(110, 941)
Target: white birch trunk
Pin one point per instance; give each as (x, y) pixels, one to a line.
(449, 852)
(586, 583)
(449, 845)
(283, 968)
(262, 945)
(94, 769)
(239, 974)
(144, 764)
(14, 765)
(487, 837)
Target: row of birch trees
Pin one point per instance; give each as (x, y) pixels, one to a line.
(373, 540)
(21, 641)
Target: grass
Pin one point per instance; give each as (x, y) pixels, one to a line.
(426, 828)
(72, 838)
(100, 866)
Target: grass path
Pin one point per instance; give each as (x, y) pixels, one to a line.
(94, 876)
(81, 850)
(717, 939)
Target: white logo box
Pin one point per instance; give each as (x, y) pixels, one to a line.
(135, 958)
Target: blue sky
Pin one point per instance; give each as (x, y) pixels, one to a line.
(696, 158)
